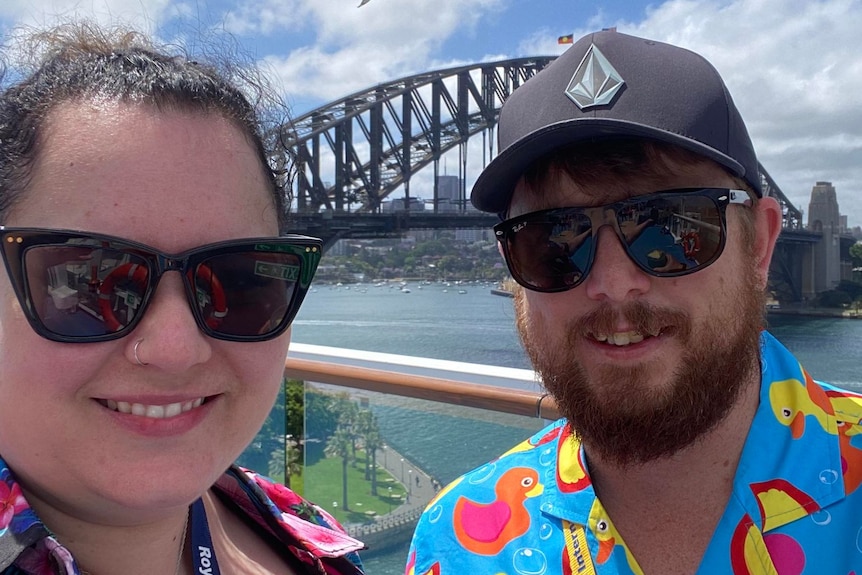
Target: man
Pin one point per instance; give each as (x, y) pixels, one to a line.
(692, 442)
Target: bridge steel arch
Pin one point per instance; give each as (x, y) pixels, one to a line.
(352, 153)
(357, 150)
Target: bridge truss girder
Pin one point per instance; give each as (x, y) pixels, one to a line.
(791, 215)
(352, 153)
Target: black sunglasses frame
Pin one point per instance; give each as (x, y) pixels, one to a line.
(16, 242)
(506, 230)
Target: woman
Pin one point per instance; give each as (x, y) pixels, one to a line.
(144, 321)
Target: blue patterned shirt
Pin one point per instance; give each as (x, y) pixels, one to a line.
(795, 508)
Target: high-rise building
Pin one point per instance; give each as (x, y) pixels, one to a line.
(448, 194)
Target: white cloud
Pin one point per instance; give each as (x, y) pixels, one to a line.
(358, 47)
(794, 69)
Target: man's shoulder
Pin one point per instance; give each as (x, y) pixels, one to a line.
(471, 519)
(524, 457)
(527, 454)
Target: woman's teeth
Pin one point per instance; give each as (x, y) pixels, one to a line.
(154, 411)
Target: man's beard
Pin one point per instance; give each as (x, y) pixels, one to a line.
(622, 418)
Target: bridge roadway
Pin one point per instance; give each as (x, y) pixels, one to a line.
(333, 226)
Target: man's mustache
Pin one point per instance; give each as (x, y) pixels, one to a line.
(641, 317)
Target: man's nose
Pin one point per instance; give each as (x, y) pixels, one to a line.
(613, 275)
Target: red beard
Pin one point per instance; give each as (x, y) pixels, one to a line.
(614, 413)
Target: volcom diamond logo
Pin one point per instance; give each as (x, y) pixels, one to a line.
(595, 82)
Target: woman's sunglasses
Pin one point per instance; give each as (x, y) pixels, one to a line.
(82, 287)
(666, 234)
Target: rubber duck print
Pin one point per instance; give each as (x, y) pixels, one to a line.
(792, 402)
(848, 415)
(485, 528)
(746, 548)
(411, 567)
(846, 405)
(609, 538)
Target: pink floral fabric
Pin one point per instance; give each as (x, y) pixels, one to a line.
(308, 532)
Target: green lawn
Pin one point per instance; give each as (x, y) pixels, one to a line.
(321, 483)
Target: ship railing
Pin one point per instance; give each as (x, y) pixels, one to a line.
(432, 420)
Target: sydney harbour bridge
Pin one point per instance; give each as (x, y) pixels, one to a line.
(356, 152)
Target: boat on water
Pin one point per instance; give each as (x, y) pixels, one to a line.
(506, 288)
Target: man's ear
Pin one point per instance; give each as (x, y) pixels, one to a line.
(767, 227)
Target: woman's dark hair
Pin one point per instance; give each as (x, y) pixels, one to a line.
(83, 61)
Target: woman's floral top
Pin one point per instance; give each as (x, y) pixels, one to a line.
(308, 532)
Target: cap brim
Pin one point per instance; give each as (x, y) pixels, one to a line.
(493, 189)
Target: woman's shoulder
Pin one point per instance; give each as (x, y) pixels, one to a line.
(310, 532)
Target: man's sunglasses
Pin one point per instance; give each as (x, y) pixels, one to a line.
(667, 234)
(83, 287)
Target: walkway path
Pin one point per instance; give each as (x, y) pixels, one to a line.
(397, 525)
(419, 493)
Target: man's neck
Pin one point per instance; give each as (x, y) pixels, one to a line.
(682, 496)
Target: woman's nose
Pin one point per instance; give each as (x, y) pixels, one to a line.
(173, 341)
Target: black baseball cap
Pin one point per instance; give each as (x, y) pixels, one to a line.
(610, 85)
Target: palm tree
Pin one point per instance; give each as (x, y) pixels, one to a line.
(287, 460)
(373, 442)
(370, 433)
(348, 414)
(340, 445)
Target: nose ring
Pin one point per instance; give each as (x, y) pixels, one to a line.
(135, 351)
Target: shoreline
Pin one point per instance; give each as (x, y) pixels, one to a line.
(795, 311)
(817, 312)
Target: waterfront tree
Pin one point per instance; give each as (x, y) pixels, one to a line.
(287, 460)
(348, 417)
(340, 445)
(370, 434)
(856, 254)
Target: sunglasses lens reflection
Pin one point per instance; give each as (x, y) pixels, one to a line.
(83, 291)
(665, 236)
(245, 293)
(673, 236)
(552, 252)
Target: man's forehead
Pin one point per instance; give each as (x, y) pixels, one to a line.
(557, 188)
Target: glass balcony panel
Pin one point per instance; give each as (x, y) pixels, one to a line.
(368, 419)
(423, 445)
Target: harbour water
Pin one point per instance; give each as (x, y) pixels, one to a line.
(467, 323)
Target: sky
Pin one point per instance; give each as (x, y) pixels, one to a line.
(793, 67)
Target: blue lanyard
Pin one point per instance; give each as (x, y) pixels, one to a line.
(203, 553)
